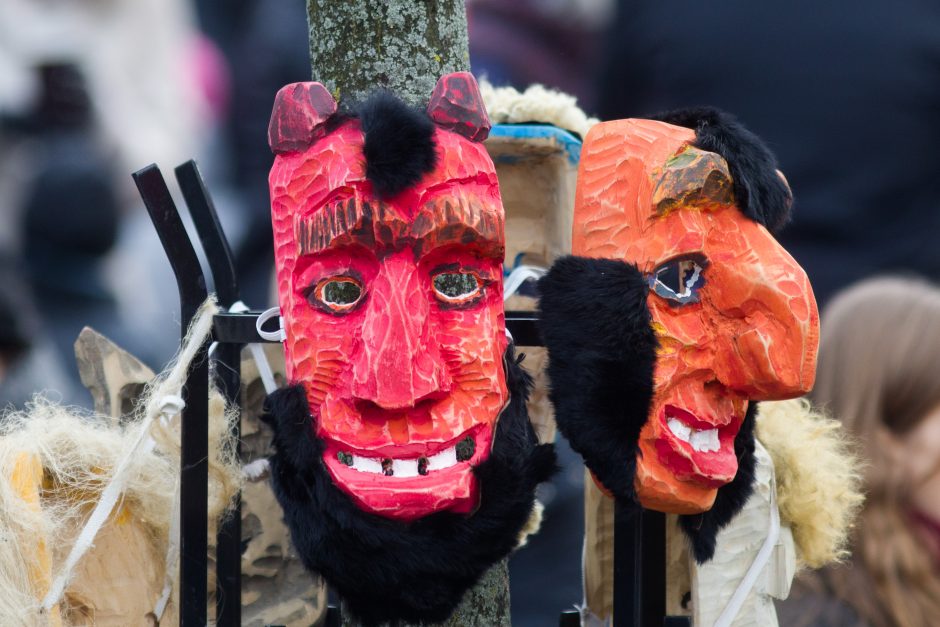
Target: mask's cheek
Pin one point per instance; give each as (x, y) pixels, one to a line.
(473, 343)
(317, 358)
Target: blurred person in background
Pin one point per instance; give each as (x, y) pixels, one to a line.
(878, 358)
(551, 42)
(270, 49)
(846, 94)
(70, 217)
(90, 91)
(28, 360)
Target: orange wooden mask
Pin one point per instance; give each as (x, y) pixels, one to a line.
(733, 313)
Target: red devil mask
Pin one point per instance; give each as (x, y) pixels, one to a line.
(388, 230)
(687, 310)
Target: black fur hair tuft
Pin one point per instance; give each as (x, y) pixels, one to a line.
(399, 143)
(602, 350)
(759, 191)
(386, 570)
(702, 529)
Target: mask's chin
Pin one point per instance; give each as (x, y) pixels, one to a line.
(388, 570)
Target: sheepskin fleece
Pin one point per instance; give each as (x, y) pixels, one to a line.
(507, 105)
(818, 479)
(76, 452)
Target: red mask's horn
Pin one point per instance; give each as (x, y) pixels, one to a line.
(297, 121)
(457, 106)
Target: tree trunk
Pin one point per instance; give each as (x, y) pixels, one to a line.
(404, 46)
(484, 605)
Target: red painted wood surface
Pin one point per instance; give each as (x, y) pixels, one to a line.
(405, 380)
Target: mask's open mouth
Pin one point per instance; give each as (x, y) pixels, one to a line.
(446, 457)
(698, 450)
(413, 480)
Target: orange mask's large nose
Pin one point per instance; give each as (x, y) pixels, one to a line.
(399, 364)
(768, 324)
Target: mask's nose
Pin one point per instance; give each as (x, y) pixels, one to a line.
(398, 364)
(773, 355)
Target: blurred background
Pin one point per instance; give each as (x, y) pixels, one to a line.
(846, 94)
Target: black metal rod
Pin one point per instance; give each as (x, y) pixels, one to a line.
(639, 567)
(240, 328)
(214, 243)
(227, 359)
(194, 466)
(228, 549)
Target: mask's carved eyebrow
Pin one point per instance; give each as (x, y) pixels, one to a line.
(459, 218)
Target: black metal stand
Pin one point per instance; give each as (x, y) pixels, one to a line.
(194, 462)
(639, 571)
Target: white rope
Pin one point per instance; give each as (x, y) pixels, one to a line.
(172, 556)
(512, 283)
(757, 566)
(164, 401)
(171, 405)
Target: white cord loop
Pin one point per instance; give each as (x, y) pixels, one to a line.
(171, 405)
(271, 336)
(257, 350)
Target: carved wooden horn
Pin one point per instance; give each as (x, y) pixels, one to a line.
(300, 113)
(456, 105)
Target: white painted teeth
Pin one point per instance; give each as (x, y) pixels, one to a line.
(702, 440)
(462, 451)
(366, 464)
(681, 430)
(705, 441)
(404, 467)
(444, 459)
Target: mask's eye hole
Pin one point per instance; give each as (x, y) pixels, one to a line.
(336, 294)
(457, 288)
(679, 280)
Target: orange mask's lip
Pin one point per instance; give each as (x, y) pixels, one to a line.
(447, 483)
(697, 450)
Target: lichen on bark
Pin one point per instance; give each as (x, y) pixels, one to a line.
(404, 46)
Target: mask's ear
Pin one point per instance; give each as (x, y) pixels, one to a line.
(456, 105)
(299, 117)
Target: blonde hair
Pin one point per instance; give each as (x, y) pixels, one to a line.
(880, 345)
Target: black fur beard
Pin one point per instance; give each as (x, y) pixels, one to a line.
(602, 352)
(388, 571)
